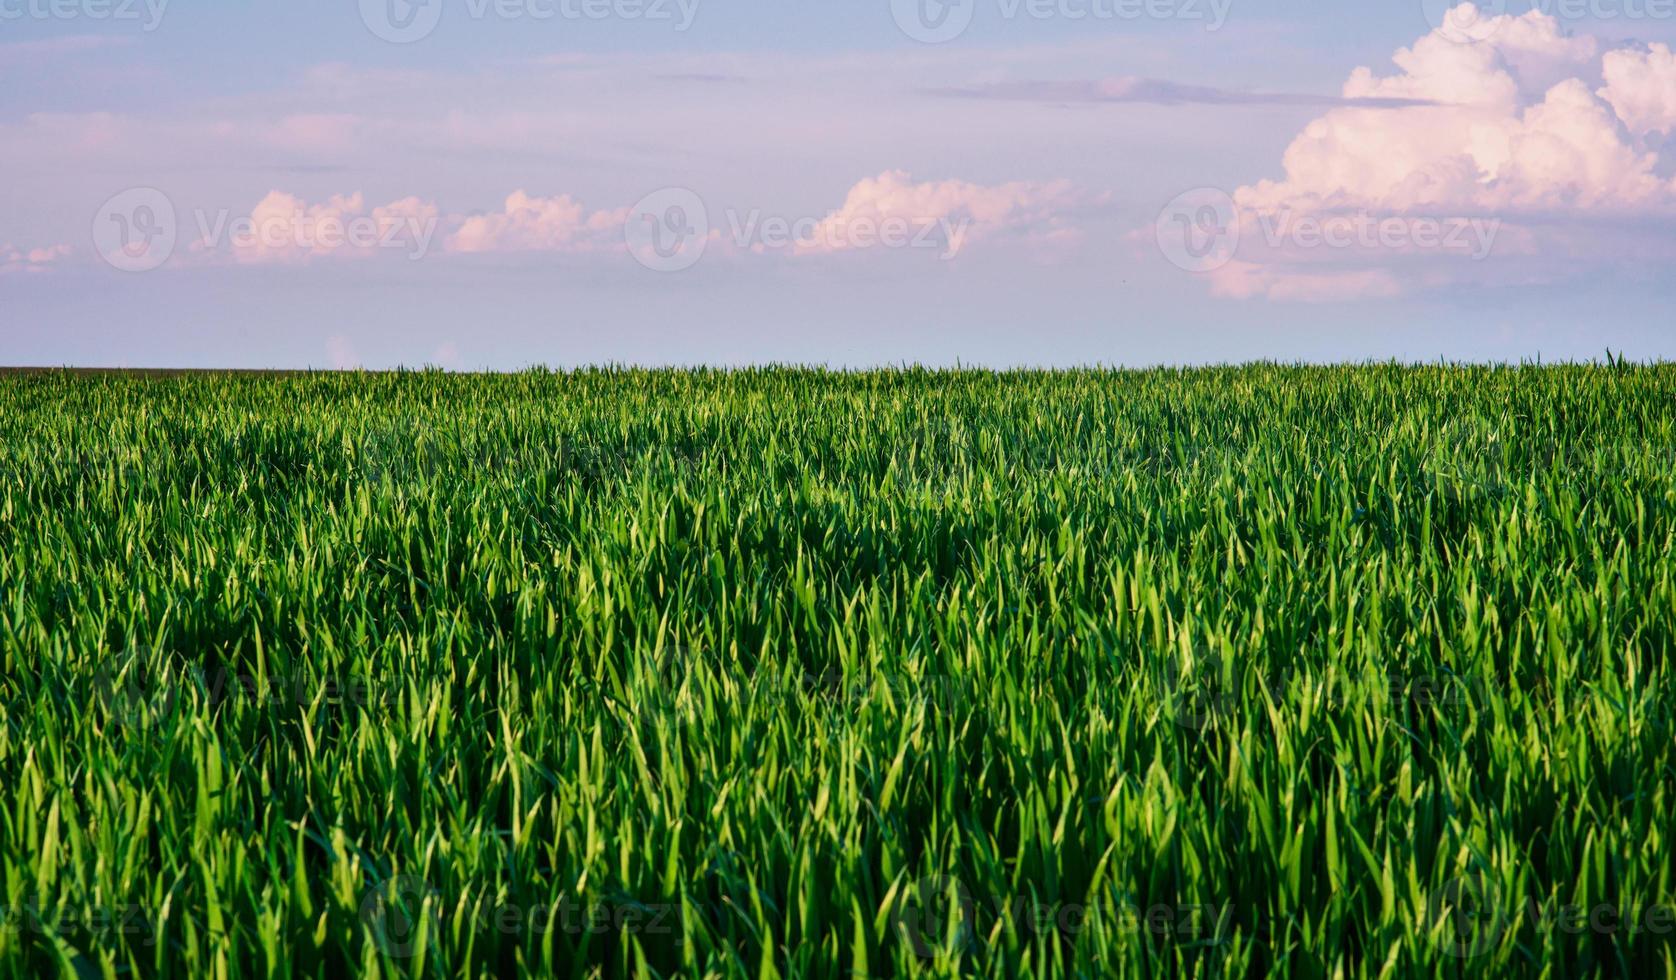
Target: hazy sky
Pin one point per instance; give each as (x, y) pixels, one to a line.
(496, 183)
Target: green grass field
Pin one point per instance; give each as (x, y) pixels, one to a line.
(1338, 672)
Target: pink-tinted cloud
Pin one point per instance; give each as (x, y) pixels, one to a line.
(1495, 148)
(891, 210)
(1521, 154)
(447, 356)
(1249, 280)
(1037, 213)
(881, 212)
(283, 228)
(340, 351)
(1641, 86)
(537, 224)
(15, 259)
(1500, 62)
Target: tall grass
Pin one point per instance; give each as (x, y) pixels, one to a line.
(1339, 672)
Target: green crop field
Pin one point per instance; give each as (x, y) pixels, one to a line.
(1310, 672)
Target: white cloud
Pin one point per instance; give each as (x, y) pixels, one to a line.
(284, 228)
(537, 224)
(1524, 140)
(1515, 57)
(1641, 86)
(885, 211)
(1038, 213)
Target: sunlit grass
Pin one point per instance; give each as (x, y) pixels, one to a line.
(1321, 672)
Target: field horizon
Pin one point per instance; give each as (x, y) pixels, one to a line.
(1609, 360)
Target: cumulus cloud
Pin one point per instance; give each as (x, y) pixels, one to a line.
(537, 224)
(1526, 134)
(891, 210)
(1641, 87)
(1507, 58)
(1496, 147)
(284, 228)
(883, 208)
(16, 259)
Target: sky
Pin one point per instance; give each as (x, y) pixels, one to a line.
(494, 184)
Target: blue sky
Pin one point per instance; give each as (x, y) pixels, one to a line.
(1042, 188)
